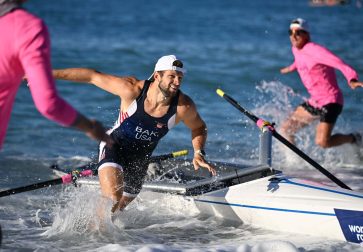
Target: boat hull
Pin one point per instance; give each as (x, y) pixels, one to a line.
(266, 198)
(291, 205)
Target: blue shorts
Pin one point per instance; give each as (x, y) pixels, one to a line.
(328, 113)
(133, 166)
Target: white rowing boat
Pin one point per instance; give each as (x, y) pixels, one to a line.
(263, 197)
(283, 203)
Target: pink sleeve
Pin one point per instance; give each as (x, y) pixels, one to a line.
(292, 67)
(34, 54)
(324, 56)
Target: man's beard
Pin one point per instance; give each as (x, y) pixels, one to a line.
(165, 92)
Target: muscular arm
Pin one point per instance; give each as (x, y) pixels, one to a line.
(189, 115)
(124, 87)
(197, 127)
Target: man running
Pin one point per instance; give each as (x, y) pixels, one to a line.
(315, 65)
(148, 110)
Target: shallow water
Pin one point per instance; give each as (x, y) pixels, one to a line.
(237, 46)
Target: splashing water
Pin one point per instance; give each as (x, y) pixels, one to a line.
(275, 102)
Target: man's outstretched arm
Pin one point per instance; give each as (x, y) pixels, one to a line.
(195, 123)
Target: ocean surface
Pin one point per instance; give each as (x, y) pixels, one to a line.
(238, 46)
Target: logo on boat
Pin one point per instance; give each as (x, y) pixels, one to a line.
(145, 135)
(351, 223)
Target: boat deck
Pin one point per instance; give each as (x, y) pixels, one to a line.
(179, 177)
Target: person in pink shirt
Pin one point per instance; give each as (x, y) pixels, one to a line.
(316, 66)
(25, 51)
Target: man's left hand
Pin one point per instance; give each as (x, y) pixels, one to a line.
(199, 161)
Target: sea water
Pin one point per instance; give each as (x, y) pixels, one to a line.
(238, 46)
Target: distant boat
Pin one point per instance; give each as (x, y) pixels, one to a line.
(328, 2)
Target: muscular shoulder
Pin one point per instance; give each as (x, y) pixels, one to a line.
(128, 87)
(186, 107)
(185, 101)
(135, 84)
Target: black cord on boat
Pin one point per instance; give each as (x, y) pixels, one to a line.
(239, 182)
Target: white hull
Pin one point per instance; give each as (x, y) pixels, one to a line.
(289, 205)
(265, 198)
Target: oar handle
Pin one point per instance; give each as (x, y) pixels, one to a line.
(93, 166)
(261, 123)
(170, 155)
(65, 179)
(71, 177)
(237, 106)
(84, 171)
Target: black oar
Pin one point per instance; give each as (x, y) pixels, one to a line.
(93, 166)
(65, 179)
(72, 176)
(261, 122)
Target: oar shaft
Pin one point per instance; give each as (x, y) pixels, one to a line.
(234, 103)
(84, 171)
(93, 166)
(21, 189)
(66, 179)
(309, 160)
(170, 155)
(284, 141)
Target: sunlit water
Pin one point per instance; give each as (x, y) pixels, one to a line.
(238, 46)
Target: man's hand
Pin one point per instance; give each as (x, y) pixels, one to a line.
(354, 84)
(199, 161)
(285, 70)
(93, 129)
(97, 132)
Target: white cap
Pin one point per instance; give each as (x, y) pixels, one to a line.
(299, 23)
(166, 63)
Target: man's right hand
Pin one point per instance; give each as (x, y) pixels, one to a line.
(355, 83)
(285, 70)
(98, 132)
(93, 129)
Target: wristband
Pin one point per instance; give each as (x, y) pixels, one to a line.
(200, 152)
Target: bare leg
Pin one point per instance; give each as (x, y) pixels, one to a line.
(125, 200)
(111, 182)
(297, 120)
(324, 138)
